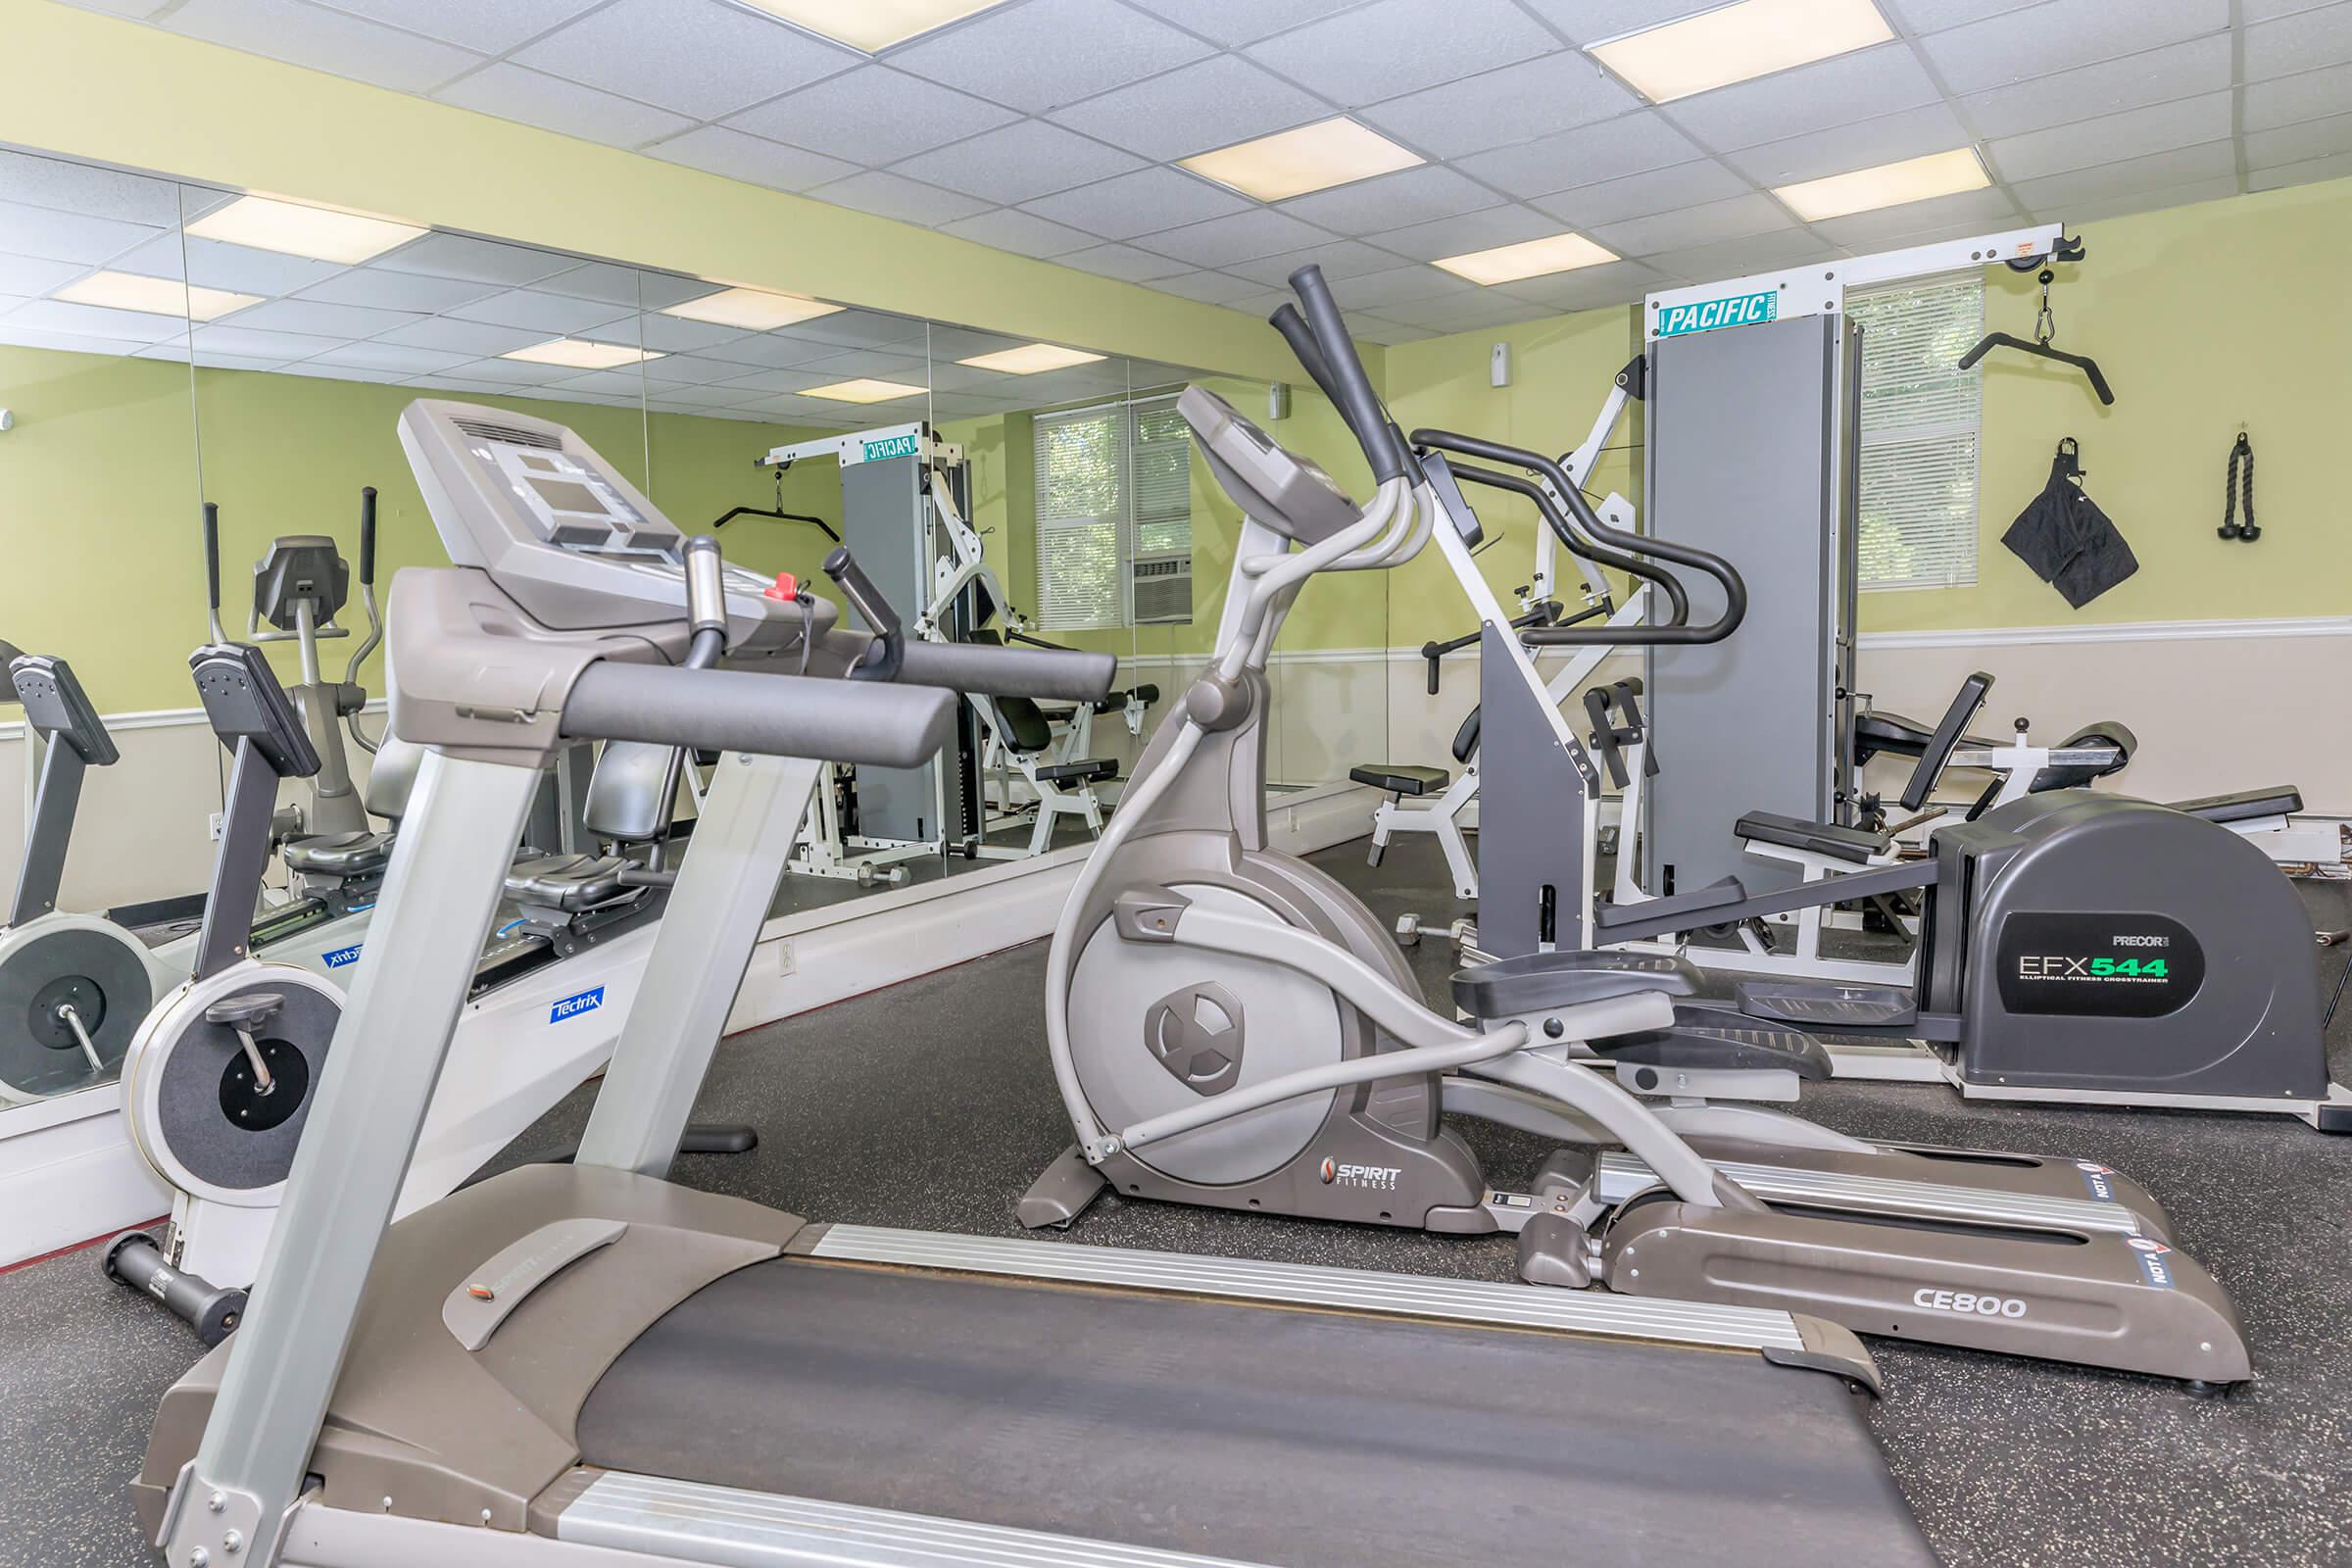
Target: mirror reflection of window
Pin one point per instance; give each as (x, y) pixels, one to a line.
(1115, 519)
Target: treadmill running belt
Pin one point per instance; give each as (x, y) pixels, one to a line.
(1302, 1438)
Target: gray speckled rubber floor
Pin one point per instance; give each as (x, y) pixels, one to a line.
(931, 1106)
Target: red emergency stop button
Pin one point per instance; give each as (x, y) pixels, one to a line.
(786, 586)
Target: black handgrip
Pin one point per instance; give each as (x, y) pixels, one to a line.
(1295, 331)
(1946, 739)
(1725, 575)
(859, 590)
(1356, 396)
(366, 535)
(1678, 601)
(212, 553)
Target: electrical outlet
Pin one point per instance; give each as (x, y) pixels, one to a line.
(784, 959)
(216, 828)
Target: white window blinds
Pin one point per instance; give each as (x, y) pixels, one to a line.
(1114, 503)
(1920, 422)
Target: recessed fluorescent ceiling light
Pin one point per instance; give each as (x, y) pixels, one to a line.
(1533, 258)
(1291, 163)
(581, 354)
(754, 310)
(1734, 43)
(157, 296)
(872, 24)
(1914, 179)
(1029, 359)
(293, 229)
(864, 389)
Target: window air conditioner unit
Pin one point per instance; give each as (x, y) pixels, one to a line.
(1163, 590)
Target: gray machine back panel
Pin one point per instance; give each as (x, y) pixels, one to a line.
(1314, 1439)
(880, 508)
(1748, 454)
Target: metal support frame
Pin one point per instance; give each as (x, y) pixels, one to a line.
(49, 830)
(1820, 289)
(440, 894)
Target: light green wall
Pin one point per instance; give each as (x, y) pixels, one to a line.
(203, 112)
(2202, 317)
(99, 499)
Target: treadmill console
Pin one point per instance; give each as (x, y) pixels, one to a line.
(564, 535)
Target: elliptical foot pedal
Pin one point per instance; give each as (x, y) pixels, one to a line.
(1827, 1006)
(1554, 1250)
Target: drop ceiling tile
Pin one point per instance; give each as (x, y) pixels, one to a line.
(1047, 53)
(2156, 201)
(665, 334)
(2044, 197)
(2153, 76)
(685, 370)
(2289, 100)
(624, 285)
(27, 337)
(2253, 10)
(1628, 145)
(948, 344)
(88, 191)
(2112, 138)
(1935, 16)
(697, 58)
(1891, 227)
(2293, 144)
(1743, 258)
(215, 359)
(1393, 47)
(2300, 42)
(1125, 262)
(1022, 233)
(319, 369)
(1234, 23)
(1128, 205)
(390, 358)
(210, 264)
(542, 313)
(464, 337)
(1473, 231)
(1660, 190)
(909, 201)
(135, 10)
(1516, 103)
(377, 289)
(1582, 21)
(710, 397)
(625, 383)
(1394, 200)
(95, 321)
(1237, 237)
(1861, 86)
(872, 115)
(493, 29)
(1704, 225)
(1018, 163)
(1589, 287)
(1887, 139)
(1467, 314)
(754, 160)
(516, 372)
(1339, 258)
(65, 236)
(862, 329)
(1210, 288)
(324, 40)
(768, 351)
(27, 276)
(259, 345)
(477, 261)
(773, 381)
(949, 376)
(1399, 285)
(1211, 103)
(2059, 35)
(516, 93)
(2331, 167)
(326, 320)
(1373, 329)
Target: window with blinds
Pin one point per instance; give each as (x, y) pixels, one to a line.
(1114, 517)
(1920, 422)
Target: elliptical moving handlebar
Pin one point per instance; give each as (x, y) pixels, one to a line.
(1351, 387)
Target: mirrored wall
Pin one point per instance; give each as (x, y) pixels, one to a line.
(167, 344)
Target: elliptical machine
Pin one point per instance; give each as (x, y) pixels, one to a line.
(1229, 1026)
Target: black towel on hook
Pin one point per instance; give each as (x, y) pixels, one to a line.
(2064, 536)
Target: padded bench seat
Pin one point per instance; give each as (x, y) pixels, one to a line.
(1401, 778)
(2245, 806)
(1096, 771)
(340, 855)
(1814, 838)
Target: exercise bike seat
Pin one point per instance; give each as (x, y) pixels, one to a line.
(340, 855)
(1695, 903)
(2245, 806)
(1857, 844)
(570, 884)
(2110, 734)
(1538, 982)
(1707, 1039)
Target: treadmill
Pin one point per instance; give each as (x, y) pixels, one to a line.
(591, 1364)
